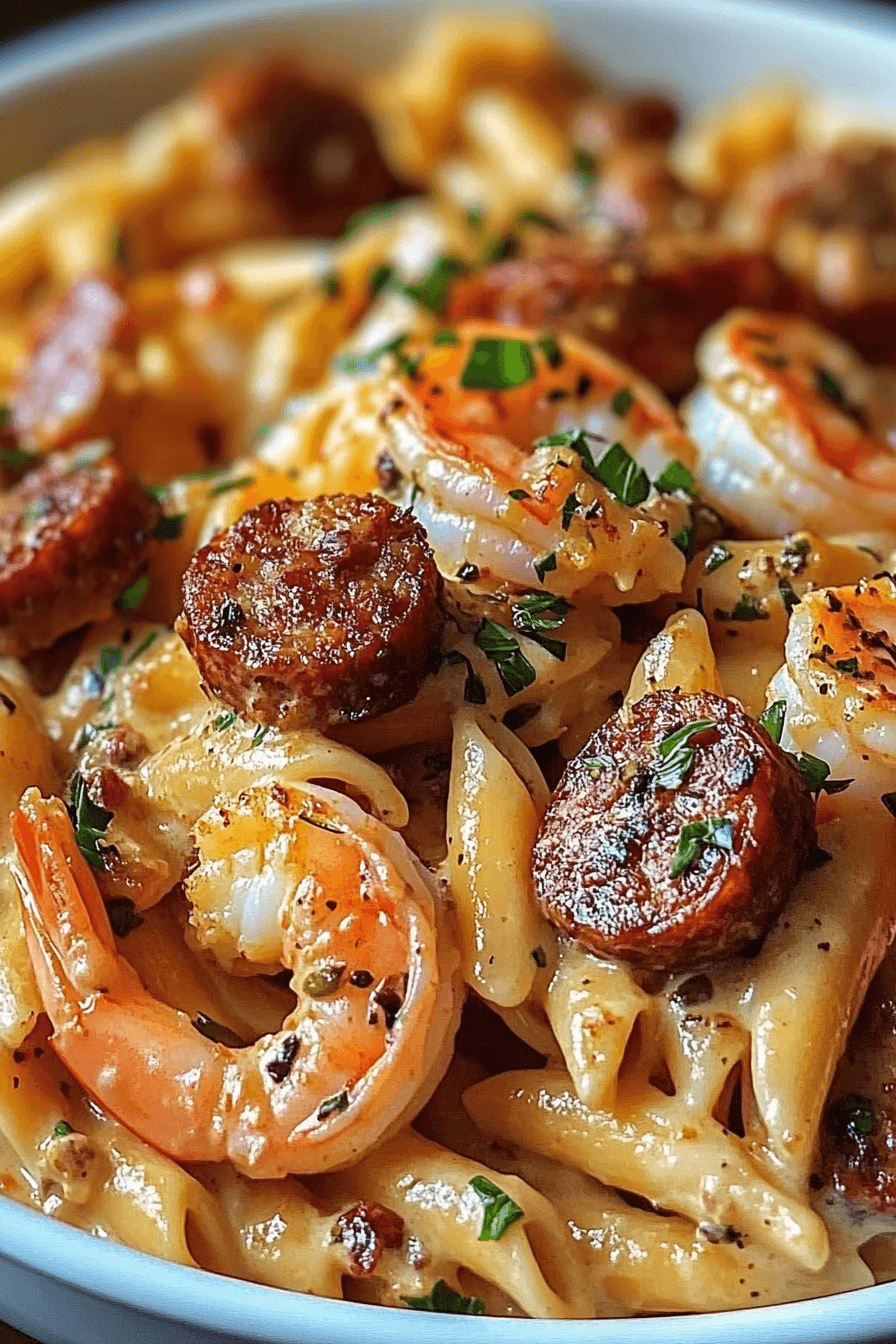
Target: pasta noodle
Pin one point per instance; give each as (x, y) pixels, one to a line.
(446, 778)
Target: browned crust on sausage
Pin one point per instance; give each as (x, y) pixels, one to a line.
(645, 300)
(80, 370)
(305, 145)
(604, 853)
(366, 1230)
(321, 612)
(71, 539)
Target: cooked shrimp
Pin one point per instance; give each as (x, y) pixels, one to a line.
(577, 510)
(357, 921)
(791, 429)
(838, 684)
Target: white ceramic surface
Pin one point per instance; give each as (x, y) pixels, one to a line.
(94, 75)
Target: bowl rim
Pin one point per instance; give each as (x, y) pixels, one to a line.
(239, 1308)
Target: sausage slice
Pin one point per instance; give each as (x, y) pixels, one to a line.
(79, 370)
(71, 539)
(321, 612)
(672, 854)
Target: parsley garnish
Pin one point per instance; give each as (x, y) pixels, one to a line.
(17, 459)
(545, 565)
(541, 221)
(622, 401)
(513, 667)
(853, 1118)
(570, 504)
(474, 217)
(366, 360)
(584, 165)
(225, 720)
(89, 731)
(331, 285)
(444, 1298)
(143, 646)
(772, 719)
(519, 494)
(677, 755)
(551, 350)
(445, 336)
(684, 540)
(474, 691)
(675, 476)
(537, 612)
(499, 1210)
(495, 365)
(224, 487)
(61, 1130)
(815, 775)
(848, 665)
(539, 957)
(89, 822)
(259, 735)
(110, 660)
(788, 596)
(133, 597)
(499, 249)
(432, 291)
(829, 387)
(333, 1105)
(622, 476)
(170, 526)
(599, 762)
(715, 831)
(718, 555)
(748, 608)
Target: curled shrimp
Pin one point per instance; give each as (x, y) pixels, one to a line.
(463, 422)
(377, 999)
(790, 429)
(838, 684)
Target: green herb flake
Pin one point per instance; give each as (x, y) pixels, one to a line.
(512, 666)
(443, 1298)
(539, 957)
(848, 665)
(684, 540)
(519, 494)
(365, 361)
(584, 165)
(748, 608)
(259, 735)
(717, 556)
(334, 1105)
(695, 836)
(206, 474)
(622, 402)
(772, 719)
(816, 775)
(225, 487)
(829, 387)
(225, 720)
(673, 477)
(497, 365)
(852, 1118)
(551, 350)
(475, 217)
(570, 504)
(119, 251)
(331, 285)
(431, 292)
(622, 476)
(499, 249)
(170, 526)
(498, 1210)
(676, 755)
(599, 762)
(788, 596)
(445, 336)
(61, 1130)
(535, 614)
(133, 597)
(89, 731)
(110, 659)
(474, 690)
(536, 218)
(874, 555)
(144, 644)
(17, 459)
(545, 565)
(89, 822)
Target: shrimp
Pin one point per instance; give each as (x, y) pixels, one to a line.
(838, 684)
(357, 922)
(576, 511)
(791, 429)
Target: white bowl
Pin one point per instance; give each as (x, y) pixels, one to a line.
(95, 75)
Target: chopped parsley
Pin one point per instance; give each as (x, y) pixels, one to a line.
(676, 754)
(829, 387)
(538, 612)
(511, 664)
(545, 565)
(848, 665)
(788, 596)
(61, 1130)
(684, 540)
(224, 487)
(110, 659)
(225, 720)
(539, 957)
(474, 691)
(499, 249)
(519, 494)
(431, 292)
(474, 217)
(133, 597)
(536, 217)
(816, 774)
(333, 1105)
(584, 165)
(89, 822)
(717, 832)
(675, 476)
(444, 1298)
(170, 526)
(622, 402)
(331, 285)
(570, 504)
(852, 1118)
(89, 732)
(747, 608)
(496, 365)
(259, 735)
(772, 719)
(366, 360)
(717, 556)
(144, 644)
(17, 459)
(445, 336)
(616, 469)
(498, 1212)
(599, 762)
(548, 346)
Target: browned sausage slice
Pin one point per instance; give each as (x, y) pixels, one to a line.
(78, 370)
(306, 146)
(673, 854)
(71, 539)
(320, 612)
